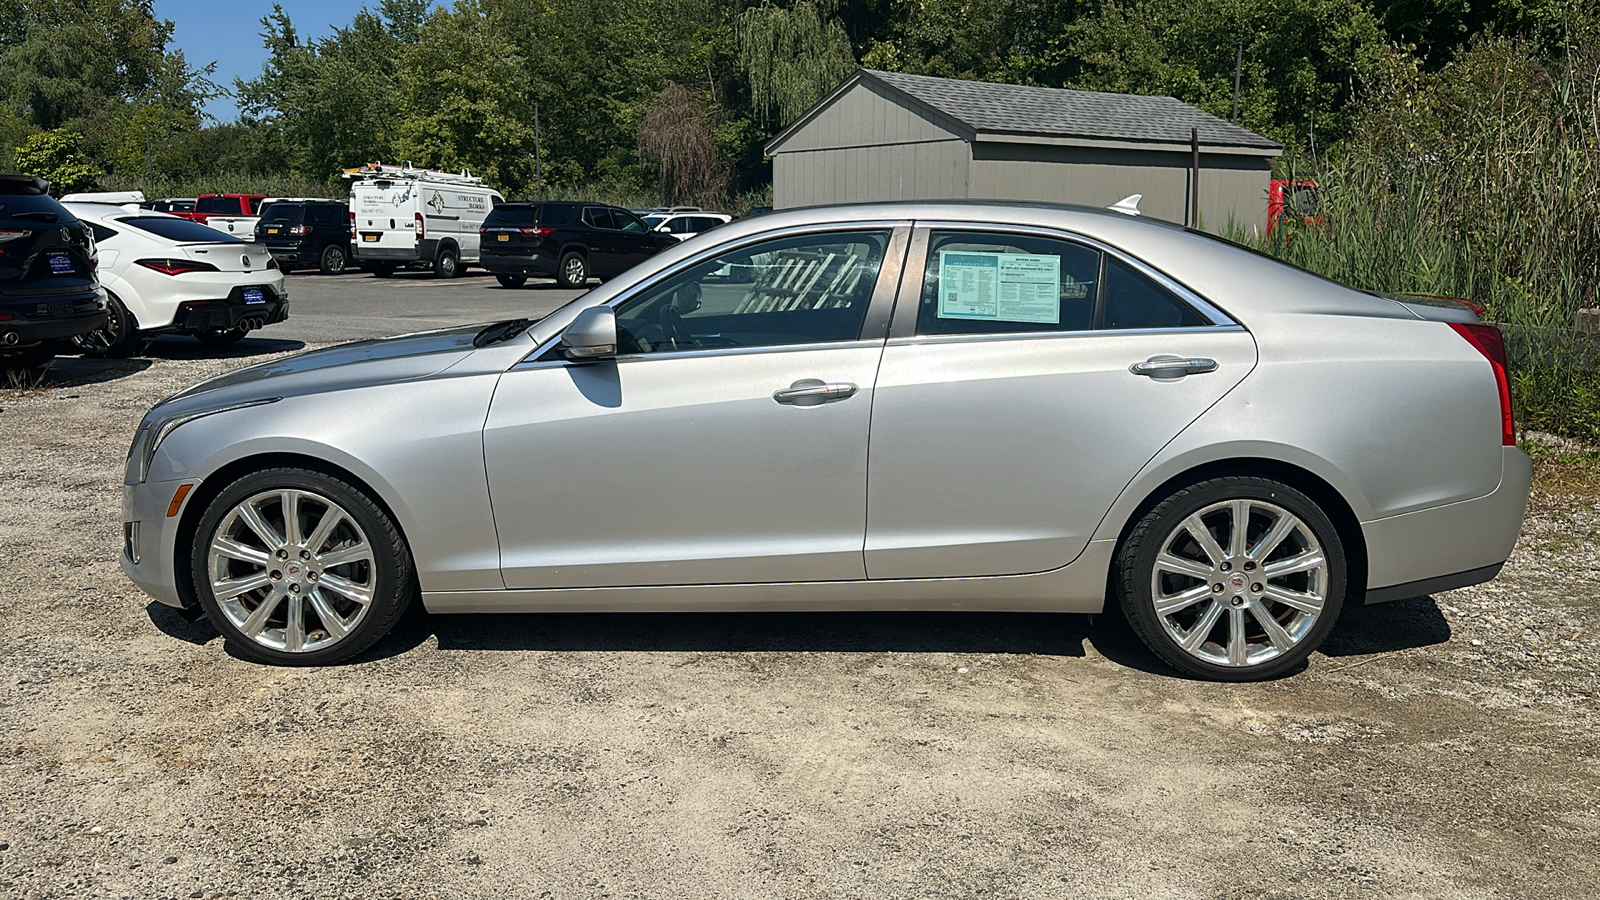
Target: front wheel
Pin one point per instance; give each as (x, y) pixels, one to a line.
(511, 281)
(299, 568)
(1236, 578)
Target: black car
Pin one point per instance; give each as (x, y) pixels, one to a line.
(48, 288)
(304, 233)
(571, 241)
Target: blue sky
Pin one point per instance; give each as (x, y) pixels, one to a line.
(228, 32)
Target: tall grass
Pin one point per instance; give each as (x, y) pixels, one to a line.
(1481, 181)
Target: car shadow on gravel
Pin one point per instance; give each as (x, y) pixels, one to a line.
(185, 347)
(1388, 627)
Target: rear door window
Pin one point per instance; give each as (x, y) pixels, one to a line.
(597, 217)
(1007, 283)
(627, 221)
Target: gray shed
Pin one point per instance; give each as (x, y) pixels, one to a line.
(889, 136)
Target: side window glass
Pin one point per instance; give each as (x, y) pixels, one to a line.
(679, 225)
(1006, 283)
(627, 221)
(596, 217)
(101, 232)
(1134, 301)
(800, 290)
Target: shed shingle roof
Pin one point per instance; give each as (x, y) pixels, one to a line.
(987, 107)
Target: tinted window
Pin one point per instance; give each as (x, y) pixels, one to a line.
(221, 205)
(514, 216)
(181, 230)
(626, 221)
(653, 221)
(38, 207)
(254, 204)
(329, 214)
(100, 232)
(1134, 301)
(801, 290)
(678, 225)
(698, 224)
(597, 217)
(284, 212)
(988, 284)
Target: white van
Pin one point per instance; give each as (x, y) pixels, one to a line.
(400, 215)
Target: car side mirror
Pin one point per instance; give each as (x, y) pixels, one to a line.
(660, 228)
(592, 335)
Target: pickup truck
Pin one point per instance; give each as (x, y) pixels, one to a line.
(227, 213)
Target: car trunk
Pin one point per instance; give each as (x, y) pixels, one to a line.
(229, 257)
(516, 231)
(43, 250)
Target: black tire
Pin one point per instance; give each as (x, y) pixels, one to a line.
(332, 260)
(380, 270)
(1242, 592)
(573, 271)
(390, 572)
(511, 281)
(221, 337)
(446, 265)
(120, 337)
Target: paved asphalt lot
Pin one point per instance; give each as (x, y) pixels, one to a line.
(1438, 747)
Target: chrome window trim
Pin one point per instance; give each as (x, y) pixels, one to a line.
(915, 339)
(905, 324)
(874, 327)
(532, 363)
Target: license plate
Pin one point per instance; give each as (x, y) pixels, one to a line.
(60, 263)
(502, 237)
(370, 238)
(254, 295)
(272, 231)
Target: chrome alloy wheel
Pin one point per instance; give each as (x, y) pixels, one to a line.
(292, 570)
(1239, 583)
(575, 273)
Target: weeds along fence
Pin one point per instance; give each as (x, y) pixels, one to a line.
(1481, 181)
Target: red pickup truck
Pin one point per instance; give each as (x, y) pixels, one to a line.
(1291, 202)
(208, 205)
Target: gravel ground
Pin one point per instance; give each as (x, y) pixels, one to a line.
(1441, 746)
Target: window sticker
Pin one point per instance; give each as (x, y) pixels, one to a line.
(1000, 287)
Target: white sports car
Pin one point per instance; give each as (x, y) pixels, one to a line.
(165, 274)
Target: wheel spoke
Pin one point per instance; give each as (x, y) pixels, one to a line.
(232, 549)
(289, 502)
(294, 628)
(1275, 633)
(1182, 600)
(1181, 566)
(1239, 534)
(1274, 536)
(252, 518)
(345, 556)
(331, 517)
(229, 588)
(359, 593)
(258, 617)
(1236, 644)
(1304, 562)
(1202, 536)
(1197, 634)
(325, 611)
(1310, 604)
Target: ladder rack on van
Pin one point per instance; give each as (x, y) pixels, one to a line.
(379, 171)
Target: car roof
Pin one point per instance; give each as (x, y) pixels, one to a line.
(113, 211)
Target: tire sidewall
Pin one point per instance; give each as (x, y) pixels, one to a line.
(338, 259)
(446, 265)
(391, 564)
(561, 270)
(1136, 560)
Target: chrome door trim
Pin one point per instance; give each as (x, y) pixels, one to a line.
(905, 320)
(883, 294)
(533, 362)
(1054, 335)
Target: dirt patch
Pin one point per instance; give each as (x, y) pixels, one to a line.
(1440, 746)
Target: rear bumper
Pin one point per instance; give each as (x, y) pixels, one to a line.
(231, 312)
(517, 265)
(30, 322)
(424, 251)
(1449, 546)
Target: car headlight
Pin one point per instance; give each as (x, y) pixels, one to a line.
(150, 435)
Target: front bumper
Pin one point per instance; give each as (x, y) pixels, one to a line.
(150, 537)
(1448, 546)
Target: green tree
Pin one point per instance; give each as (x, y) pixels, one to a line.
(57, 157)
(790, 57)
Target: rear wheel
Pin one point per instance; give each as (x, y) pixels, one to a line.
(221, 337)
(511, 281)
(445, 265)
(332, 261)
(300, 568)
(1233, 579)
(573, 271)
(117, 338)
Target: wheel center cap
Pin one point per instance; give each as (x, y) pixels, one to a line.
(295, 569)
(1237, 581)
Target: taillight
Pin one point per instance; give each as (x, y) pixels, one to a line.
(299, 229)
(1488, 341)
(11, 234)
(536, 232)
(176, 266)
(422, 229)
(272, 263)
(352, 226)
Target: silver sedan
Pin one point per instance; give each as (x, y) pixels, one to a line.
(899, 406)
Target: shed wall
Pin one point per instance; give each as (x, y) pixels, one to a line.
(1231, 187)
(920, 171)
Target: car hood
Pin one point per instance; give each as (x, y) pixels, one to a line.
(407, 357)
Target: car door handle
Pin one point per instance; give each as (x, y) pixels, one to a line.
(1173, 366)
(814, 392)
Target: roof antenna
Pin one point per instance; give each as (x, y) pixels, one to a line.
(1128, 206)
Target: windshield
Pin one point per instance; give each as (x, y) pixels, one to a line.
(181, 230)
(653, 221)
(283, 212)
